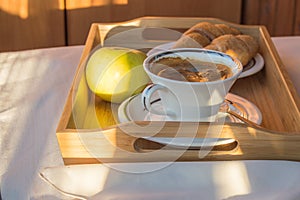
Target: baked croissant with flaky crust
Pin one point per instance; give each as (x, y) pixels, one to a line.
(202, 34)
(192, 40)
(219, 37)
(242, 47)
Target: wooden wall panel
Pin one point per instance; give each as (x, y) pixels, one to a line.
(80, 15)
(229, 10)
(296, 29)
(277, 15)
(268, 13)
(284, 20)
(27, 24)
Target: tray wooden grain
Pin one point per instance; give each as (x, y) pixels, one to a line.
(84, 114)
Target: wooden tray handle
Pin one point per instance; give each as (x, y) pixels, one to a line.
(117, 144)
(253, 143)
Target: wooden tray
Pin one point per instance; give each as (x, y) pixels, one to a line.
(88, 131)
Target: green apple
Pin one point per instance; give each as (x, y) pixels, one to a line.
(115, 73)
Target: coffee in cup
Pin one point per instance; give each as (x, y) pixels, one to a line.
(191, 70)
(191, 83)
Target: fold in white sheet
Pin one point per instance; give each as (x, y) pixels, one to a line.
(245, 180)
(33, 89)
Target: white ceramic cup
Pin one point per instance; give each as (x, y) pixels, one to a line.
(189, 101)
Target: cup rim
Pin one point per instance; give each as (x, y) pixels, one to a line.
(195, 50)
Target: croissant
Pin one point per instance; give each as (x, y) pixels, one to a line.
(242, 47)
(191, 40)
(207, 29)
(203, 33)
(225, 29)
(251, 43)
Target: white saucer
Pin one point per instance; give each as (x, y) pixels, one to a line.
(254, 66)
(132, 110)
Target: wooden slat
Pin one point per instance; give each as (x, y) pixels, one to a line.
(284, 18)
(227, 10)
(250, 12)
(129, 10)
(296, 30)
(80, 14)
(268, 14)
(31, 24)
(277, 15)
